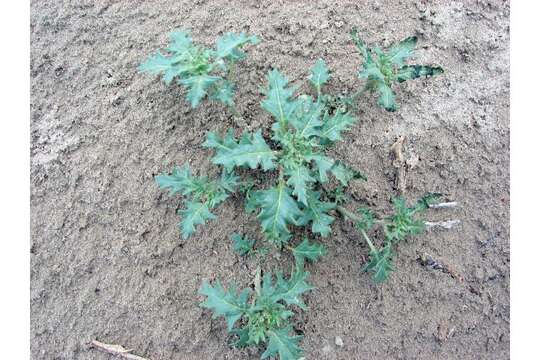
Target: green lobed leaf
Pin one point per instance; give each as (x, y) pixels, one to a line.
(299, 179)
(198, 86)
(380, 263)
(360, 44)
(223, 91)
(309, 251)
(278, 209)
(387, 98)
(241, 245)
(291, 290)
(411, 72)
(156, 64)
(334, 125)
(316, 212)
(323, 164)
(398, 53)
(307, 119)
(180, 181)
(278, 100)
(250, 151)
(319, 74)
(345, 174)
(229, 45)
(282, 344)
(366, 219)
(197, 213)
(228, 304)
(402, 223)
(180, 42)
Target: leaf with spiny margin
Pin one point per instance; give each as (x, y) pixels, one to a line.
(224, 303)
(316, 213)
(241, 245)
(291, 290)
(334, 125)
(282, 344)
(198, 86)
(228, 46)
(345, 174)
(180, 42)
(398, 53)
(402, 223)
(410, 72)
(366, 219)
(229, 181)
(179, 181)
(251, 151)
(243, 337)
(278, 209)
(323, 164)
(223, 92)
(299, 179)
(278, 98)
(319, 74)
(380, 263)
(309, 251)
(223, 145)
(253, 201)
(360, 44)
(195, 214)
(371, 71)
(307, 120)
(387, 98)
(156, 64)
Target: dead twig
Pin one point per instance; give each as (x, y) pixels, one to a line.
(117, 350)
(399, 164)
(428, 261)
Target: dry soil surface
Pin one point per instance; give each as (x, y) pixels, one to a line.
(106, 255)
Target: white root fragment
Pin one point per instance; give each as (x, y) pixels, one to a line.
(117, 350)
(449, 224)
(444, 205)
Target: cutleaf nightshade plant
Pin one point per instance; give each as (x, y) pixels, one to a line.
(261, 316)
(299, 183)
(383, 69)
(202, 194)
(303, 129)
(204, 72)
(396, 227)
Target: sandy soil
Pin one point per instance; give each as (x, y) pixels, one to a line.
(107, 260)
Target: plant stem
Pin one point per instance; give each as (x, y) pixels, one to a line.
(370, 244)
(231, 69)
(355, 217)
(357, 94)
(348, 213)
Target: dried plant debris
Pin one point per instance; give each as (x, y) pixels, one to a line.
(429, 262)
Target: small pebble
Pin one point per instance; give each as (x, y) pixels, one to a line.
(339, 341)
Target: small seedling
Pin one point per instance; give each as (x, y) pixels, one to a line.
(383, 69)
(204, 72)
(397, 227)
(202, 194)
(261, 316)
